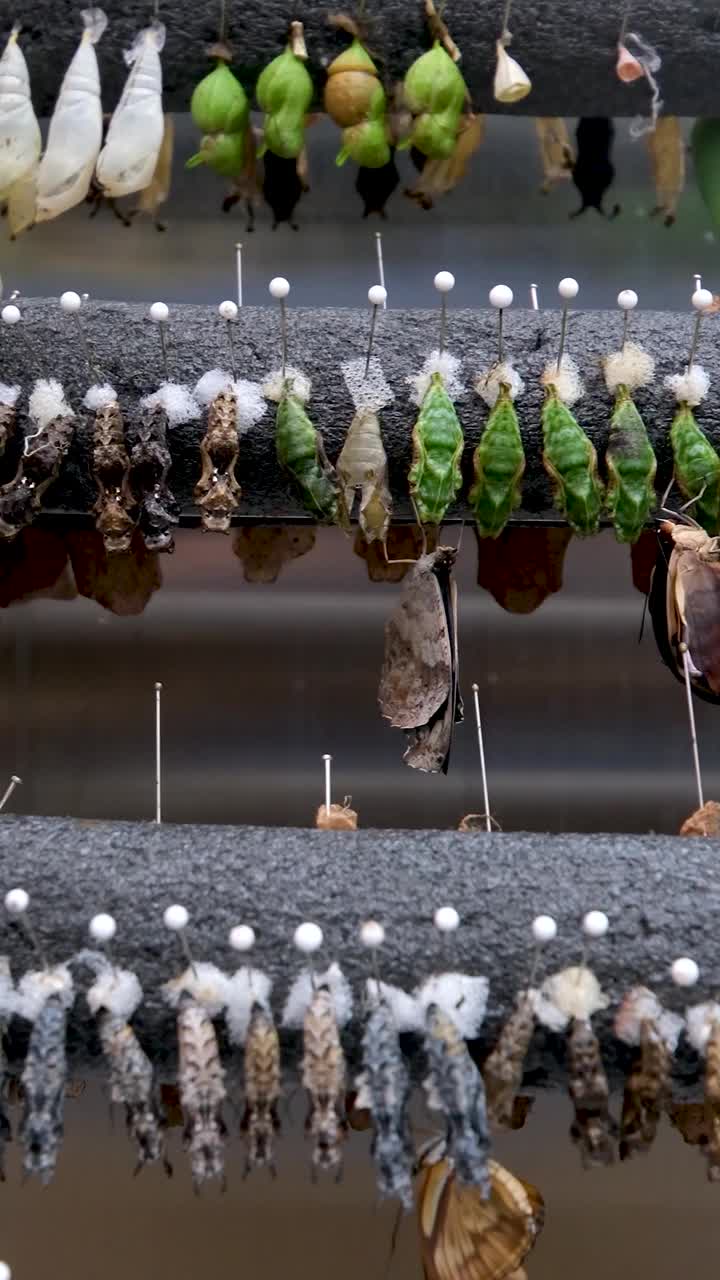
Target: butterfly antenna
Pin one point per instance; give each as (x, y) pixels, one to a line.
(420, 526)
(394, 1237)
(459, 541)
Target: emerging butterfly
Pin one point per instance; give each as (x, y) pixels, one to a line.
(463, 1236)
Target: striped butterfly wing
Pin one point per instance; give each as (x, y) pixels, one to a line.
(464, 1237)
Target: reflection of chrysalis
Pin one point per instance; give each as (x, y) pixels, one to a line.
(568, 454)
(511, 83)
(20, 140)
(441, 175)
(323, 1076)
(696, 465)
(630, 459)
(75, 134)
(43, 998)
(127, 161)
(705, 142)
(666, 147)
(7, 1001)
(499, 459)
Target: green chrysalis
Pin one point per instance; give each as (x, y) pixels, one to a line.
(284, 92)
(355, 100)
(435, 93)
(219, 107)
(696, 468)
(571, 462)
(705, 142)
(435, 476)
(300, 451)
(631, 468)
(499, 463)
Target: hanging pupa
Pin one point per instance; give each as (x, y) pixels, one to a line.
(115, 507)
(321, 1003)
(503, 1068)
(113, 998)
(573, 996)
(642, 1022)
(696, 464)
(76, 128)
(511, 83)
(250, 1023)
(383, 1088)
(435, 478)
(631, 463)
(284, 92)
(435, 93)
(362, 462)
(569, 455)
(703, 1031)
(44, 997)
(355, 100)
(20, 138)
(44, 451)
(299, 445)
(220, 109)
(666, 148)
(198, 995)
(128, 159)
(7, 1009)
(499, 459)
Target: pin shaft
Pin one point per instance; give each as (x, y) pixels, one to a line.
(163, 347)
(693, 731)
(695, 340)
(373, 322)
(238, 259)
(328, 764)
(443, 323)
(481, 749)
(283, 330)
(534, 297)
(158, 757)
(563, 336)
(381, 267)
(12, 784)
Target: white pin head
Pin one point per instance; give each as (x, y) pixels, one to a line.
(279, 288)
(501, 296)
(544, 929)
(447, 919)
(702, 299)
(17, 902)
(228, 310)
(176, 917)
(11, 314)
(568, 289)
(103, 928)
(70, 302)
(372, 934)
(308, 937)
(627, 299)
(684, 972)
(242, 938)
(444, 281)
(595, 924)
(377, 295)
(5, 1272)
(159, 312)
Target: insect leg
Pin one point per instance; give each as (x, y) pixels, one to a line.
(420, 526)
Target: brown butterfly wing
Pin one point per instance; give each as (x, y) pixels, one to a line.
(697, 592)
(464, 1237)
(416, 675)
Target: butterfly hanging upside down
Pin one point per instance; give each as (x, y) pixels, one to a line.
(466, 1237)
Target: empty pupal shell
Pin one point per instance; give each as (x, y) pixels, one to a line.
(75, 134)
(127, 161)
(511, 83)
(20, 140)
(627, 68)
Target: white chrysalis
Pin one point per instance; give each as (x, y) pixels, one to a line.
(20, 139)
(75, 134)
(127, 161)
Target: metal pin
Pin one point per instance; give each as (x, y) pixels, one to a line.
(501, 296)
(158, 759)
(381, 265)
(544, 930)
(595, 925)
(159, 313)
(444, 282)
(14, 782)
(176, 919)
(698, 282)
(701, 300)
(328, 764)
(568, 289)
(627, 300)
(238, 259)
(102, 929)
(228, 312)
(17, 904)
(279, 289)
(691, 721)
(481, 749)
(446, 921)
(377, 296)
(534, 297)
(71, 303)
(372, 936)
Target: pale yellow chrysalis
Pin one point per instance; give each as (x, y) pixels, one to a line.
(511, 83)
(128, 159)
(75, 134)
(20, 139)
